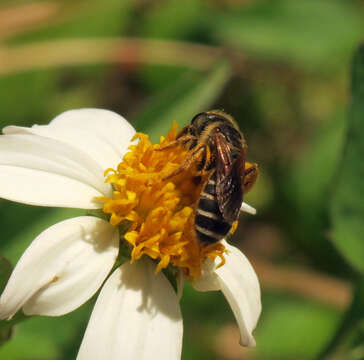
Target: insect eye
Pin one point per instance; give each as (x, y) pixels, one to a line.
(196, 117)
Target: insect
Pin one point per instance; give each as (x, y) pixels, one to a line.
(218, 149)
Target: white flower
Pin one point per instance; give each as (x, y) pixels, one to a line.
(137, 313)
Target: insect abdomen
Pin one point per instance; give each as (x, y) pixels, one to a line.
(210, 225)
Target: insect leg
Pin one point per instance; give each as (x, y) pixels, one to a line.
(190, 158)
(180, 141)
(250, 176)
(207, 159)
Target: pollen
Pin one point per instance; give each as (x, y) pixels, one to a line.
(160, 212)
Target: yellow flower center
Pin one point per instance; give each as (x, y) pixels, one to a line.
(161, 212)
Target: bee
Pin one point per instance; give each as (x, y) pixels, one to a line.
(218, 149)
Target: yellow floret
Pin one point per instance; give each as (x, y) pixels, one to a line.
(161, 212)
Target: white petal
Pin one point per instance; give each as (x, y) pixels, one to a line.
(136, 316)
(248, 209)
(62, 268)
(41, 171)
(208, 280)
(102, 134)
(239, 284)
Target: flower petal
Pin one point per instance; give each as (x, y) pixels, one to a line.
(62, 268)
(208, 280)
(248, 209)
(102, 134)
(239, 284)
(136, 316)
(41, 171)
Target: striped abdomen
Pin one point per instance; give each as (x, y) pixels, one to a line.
(210, 225)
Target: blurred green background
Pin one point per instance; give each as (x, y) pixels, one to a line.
(285, 70)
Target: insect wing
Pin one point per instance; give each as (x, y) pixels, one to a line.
(229, 179)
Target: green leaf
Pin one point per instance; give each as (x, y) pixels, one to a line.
(307, 33)
(347, 210)
(193, 93)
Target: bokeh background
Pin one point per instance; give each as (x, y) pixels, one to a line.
(283, 69)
